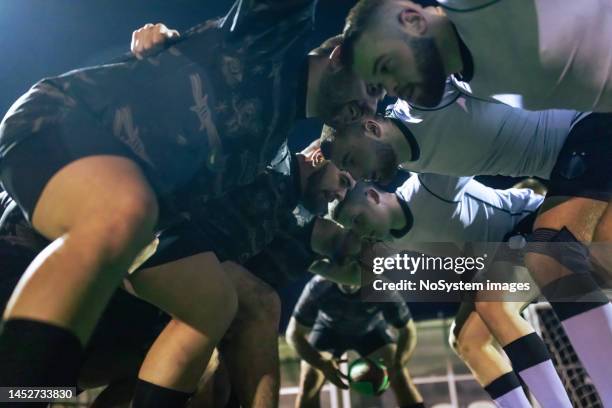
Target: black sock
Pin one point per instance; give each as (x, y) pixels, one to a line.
(147, 395)
(415, 405)
(34, 354)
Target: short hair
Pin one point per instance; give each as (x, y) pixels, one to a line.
(352, 194)
(357, 21)
(326, 48)
(328, 135)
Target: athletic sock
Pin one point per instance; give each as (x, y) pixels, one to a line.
(531, 360)
(34, 354)
(148, 395)
(588, 325)
(507, 392)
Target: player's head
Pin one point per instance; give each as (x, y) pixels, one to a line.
(363, 148)
(325, 184)
(393, 43)
(348, 289)
(342, 97)
(365, 212)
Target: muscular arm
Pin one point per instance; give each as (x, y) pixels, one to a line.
(296, 335)
(406, 342)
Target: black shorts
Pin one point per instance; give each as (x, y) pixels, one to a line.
(323, 338)
(584, 165)
(272, 265)
(26, 166)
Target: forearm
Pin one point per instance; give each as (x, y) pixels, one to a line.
(304, 350)
(406, 341)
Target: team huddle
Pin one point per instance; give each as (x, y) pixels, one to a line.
(161, 190)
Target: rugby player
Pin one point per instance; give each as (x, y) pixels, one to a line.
(465, 136)
(550, 54)
(329, 319)
(429, 209)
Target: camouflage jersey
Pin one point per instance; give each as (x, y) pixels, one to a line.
(15, 231)
(204, 115)
(256, 225)
(246, 220)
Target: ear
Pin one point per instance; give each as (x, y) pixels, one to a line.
(335, 58)
(413, 21)
(373, 127)
(373, 195)
(317, 156)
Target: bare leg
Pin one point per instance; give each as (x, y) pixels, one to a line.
(197, 293)
(559, 263)
(250, 349)
(474, 346)
(504, 320)
(101, 212)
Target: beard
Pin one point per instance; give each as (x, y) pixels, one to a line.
(313, 200)
(430, 66)
(333, 93)
(387, 161)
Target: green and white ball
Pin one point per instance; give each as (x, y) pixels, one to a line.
(368, 377)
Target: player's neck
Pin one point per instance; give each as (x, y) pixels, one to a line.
(398, 217)
(448, 43)
(400, 144)
(316, 67)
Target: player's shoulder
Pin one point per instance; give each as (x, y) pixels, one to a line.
(463, 6)
(319, 284)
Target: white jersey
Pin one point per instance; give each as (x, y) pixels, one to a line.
(553, 53)
(460, 209)
(468, 136)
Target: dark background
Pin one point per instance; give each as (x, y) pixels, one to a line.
(48, 37)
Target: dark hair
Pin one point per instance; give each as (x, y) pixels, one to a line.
(357, 21)
(328, 135)
(326, 48)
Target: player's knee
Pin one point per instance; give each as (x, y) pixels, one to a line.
(126, 227)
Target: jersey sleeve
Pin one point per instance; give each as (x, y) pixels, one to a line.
(255, 15)
(396, 312)
(446, 188)
(307, 306)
